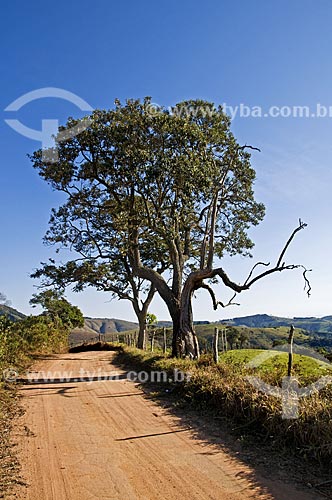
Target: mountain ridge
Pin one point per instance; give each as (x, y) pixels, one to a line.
(310, 323)
(11, 313)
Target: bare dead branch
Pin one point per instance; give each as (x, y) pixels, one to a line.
(279, 267)
(212, 294)
(216, 302)
(247, 146)
(301, 226)
(230, 302)
(307, 286)
(266, 264)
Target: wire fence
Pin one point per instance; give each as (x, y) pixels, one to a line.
(155, 338)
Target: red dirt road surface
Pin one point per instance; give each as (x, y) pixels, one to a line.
(106, 440)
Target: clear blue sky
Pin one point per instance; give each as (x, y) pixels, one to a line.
(257, 53)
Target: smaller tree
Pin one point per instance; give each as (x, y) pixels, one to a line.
(232, 336)
(243, 338)
(151, 322)
(58, 309)
(151, 319)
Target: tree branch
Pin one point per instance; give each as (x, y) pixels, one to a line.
(206, 273)
(216, 302)
(301, 226)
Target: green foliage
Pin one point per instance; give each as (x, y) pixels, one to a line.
(155, 171)
(151, 319)
(42, 334)
(10, 342)
(58, 309)
(274, 366)
(233, 336)
(45, 333)
(263, 338)
(34, 334)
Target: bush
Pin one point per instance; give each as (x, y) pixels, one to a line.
(18, 341)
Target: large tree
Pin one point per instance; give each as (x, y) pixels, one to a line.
(168, 190)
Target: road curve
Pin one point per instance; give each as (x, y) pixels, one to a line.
(104, 440)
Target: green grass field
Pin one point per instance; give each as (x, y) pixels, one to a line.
(274, 363)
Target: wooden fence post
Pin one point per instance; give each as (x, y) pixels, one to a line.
(152, 340)
(165, 340)
(290, 351)
(222, 341)
(215, 345)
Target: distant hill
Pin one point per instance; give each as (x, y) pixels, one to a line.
(95, 326)
(105, 325)
(310, 324)
(11, 313)
(268, 337)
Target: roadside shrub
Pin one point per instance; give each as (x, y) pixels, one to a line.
(18, 341)
(11, 343)
(41, 334)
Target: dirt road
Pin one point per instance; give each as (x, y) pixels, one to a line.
(105, 440)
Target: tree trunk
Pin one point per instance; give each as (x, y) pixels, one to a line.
(141, 342)
(176, 342)
(185, 340)
(188, 339)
